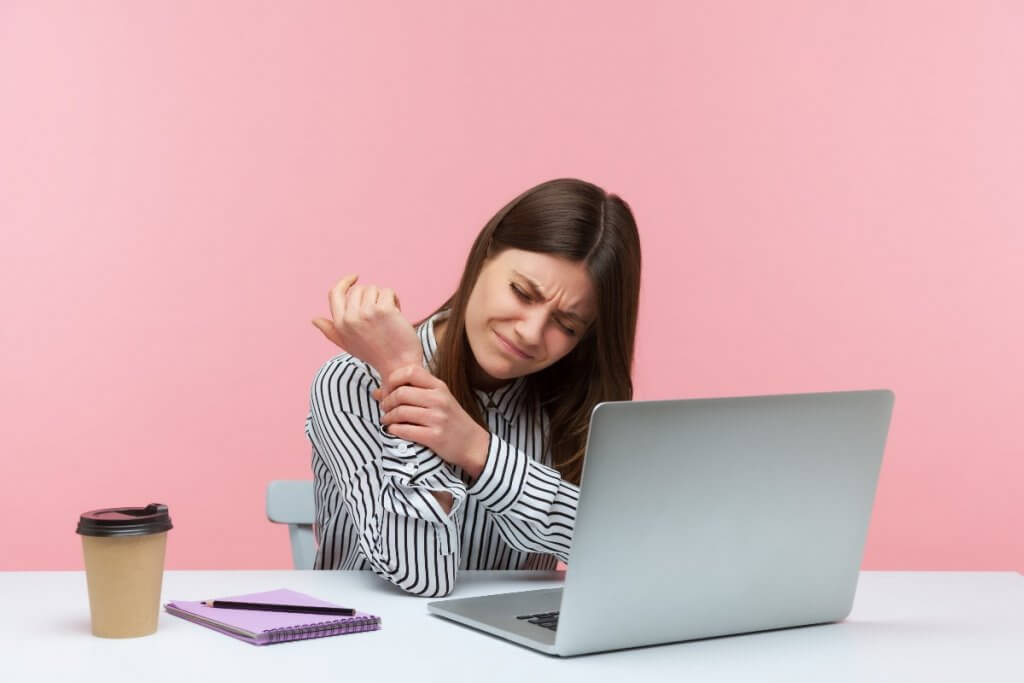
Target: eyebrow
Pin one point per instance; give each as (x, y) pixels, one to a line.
(536, 290)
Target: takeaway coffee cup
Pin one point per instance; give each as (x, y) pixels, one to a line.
(124, 568)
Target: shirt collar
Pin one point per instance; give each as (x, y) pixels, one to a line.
(507, 399)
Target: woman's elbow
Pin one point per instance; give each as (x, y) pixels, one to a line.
(431, 585)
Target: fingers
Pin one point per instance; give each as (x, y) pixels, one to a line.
(353, 304)
(388, 296)
(408, 395)
(368, 300)
(412, 432)
(348, 297)
(355, 308)
(405, 414)
(337, 294)
(415, 375)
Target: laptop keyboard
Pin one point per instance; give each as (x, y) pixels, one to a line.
(548, 620)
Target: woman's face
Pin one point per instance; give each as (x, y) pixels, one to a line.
(526, 311)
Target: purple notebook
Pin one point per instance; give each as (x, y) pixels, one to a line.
(263, 628)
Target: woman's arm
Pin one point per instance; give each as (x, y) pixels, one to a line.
(534, 508)
(403, 531)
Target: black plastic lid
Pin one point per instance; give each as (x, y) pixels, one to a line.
(151, 519)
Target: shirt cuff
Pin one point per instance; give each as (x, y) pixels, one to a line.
(500, 484)
(414, 465)
(407, 460)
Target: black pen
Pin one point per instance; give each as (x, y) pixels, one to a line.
(275, 607)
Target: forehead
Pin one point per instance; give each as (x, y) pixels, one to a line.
(554, 275)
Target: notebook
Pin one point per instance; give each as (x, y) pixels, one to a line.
(264, 628)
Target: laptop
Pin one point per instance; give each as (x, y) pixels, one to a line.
(700, 518)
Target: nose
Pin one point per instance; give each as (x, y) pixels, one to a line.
(530, 329)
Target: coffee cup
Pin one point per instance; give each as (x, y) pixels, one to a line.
(124, 567)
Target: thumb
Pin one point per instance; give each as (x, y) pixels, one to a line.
(327, 329)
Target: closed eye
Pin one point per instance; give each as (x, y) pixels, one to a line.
(526, 297)
(520, 293)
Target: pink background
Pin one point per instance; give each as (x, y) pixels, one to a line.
(828, 194)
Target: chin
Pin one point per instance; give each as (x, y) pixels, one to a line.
(501, 370)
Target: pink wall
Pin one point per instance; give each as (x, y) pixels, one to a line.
(829, 197)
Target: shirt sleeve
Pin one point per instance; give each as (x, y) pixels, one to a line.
(383, 483)
(534, 508)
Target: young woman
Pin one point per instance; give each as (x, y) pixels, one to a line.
(459, 443)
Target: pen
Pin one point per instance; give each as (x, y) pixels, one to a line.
(269, 607)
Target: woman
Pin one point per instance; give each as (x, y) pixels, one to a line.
(460, 443)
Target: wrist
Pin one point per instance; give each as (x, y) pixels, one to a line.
(386, 368)
(411, 358)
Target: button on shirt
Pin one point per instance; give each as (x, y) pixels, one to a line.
(374, 509)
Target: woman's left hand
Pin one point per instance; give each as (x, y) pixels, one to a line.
(419, 407)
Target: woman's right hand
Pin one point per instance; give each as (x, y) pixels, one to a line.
(368, 323)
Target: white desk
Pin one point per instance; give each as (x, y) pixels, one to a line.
(905, 626)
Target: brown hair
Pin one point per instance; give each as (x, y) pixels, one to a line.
(578, 221)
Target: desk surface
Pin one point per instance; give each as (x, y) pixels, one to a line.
(905, 626)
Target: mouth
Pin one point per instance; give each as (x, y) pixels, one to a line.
(511, 348)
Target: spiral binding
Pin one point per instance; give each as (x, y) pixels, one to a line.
(333, 628)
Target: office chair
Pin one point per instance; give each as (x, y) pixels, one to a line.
(291, 502)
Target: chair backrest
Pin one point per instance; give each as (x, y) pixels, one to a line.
(291, 502)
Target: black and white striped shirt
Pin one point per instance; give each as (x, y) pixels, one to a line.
(374, 509)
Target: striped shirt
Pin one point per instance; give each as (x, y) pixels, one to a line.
(374, 509)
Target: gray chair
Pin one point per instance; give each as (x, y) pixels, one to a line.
(291, 502)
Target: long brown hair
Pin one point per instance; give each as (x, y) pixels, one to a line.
(578, 221)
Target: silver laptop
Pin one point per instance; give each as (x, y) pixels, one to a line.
(706, 517)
